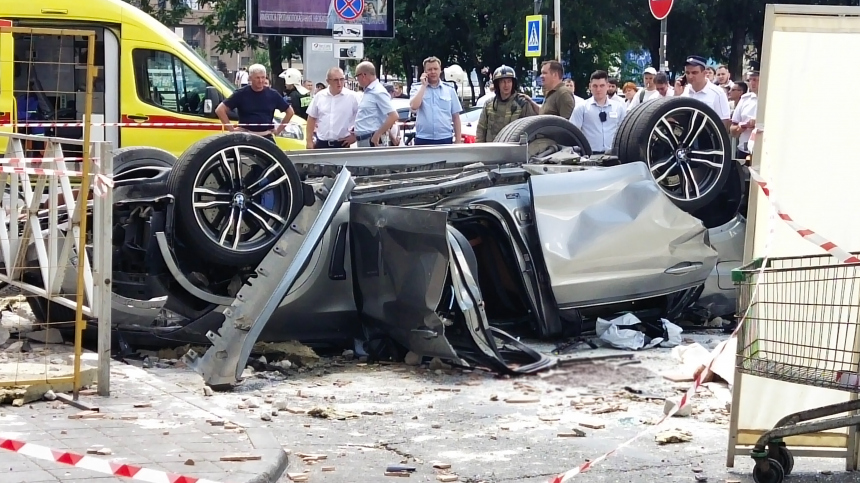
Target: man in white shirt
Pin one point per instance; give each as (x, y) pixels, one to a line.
(743, 119)
(695, 84)
(331, 114)
(242, 77)
(486, 97)
(649, 91)
(724, 77)
(570, 84)
(599, 117)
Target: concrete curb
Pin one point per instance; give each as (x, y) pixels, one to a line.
(272, 452)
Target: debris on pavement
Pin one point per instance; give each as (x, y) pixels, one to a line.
(522, 400)
(241, 457)
(295, 352)
(331, 413)
(298, 476)
(672, 402)
(673, 436)
(592, 424)
(628, 332)
(575, 433)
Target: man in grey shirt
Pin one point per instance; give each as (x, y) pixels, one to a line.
(599, 117)
(376, 113)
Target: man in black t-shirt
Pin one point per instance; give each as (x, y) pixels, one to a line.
(256, 105)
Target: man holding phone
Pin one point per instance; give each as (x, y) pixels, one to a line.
(743, 119)
(694, 83)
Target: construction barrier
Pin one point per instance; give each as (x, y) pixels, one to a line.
(55, 229)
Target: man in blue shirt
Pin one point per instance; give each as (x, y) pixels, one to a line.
(376, 113)
(438, 108)
(256, 105)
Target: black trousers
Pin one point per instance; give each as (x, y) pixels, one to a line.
(320, 144)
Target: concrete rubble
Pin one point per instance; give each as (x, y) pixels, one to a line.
(34, 359)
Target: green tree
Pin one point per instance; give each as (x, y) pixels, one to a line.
(227, 21)
(168, 12)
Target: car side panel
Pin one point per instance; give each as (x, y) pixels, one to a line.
(610, 235)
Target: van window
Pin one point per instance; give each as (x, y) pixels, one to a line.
(165, 81)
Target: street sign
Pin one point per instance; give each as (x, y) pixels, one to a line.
(347, 31)
(534, 35)
(350, 51)
(349, 9)
(660, 8)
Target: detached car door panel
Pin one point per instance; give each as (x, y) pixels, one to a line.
(610, 235)
(400, 263)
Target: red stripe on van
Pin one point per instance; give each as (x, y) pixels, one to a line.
(210, 125)
(5, 23)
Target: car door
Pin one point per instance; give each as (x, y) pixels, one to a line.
(610, 235)
(416, 281)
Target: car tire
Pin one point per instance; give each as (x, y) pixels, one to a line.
(133, 157)
(262, 202)
(684, 143)
(543, 131)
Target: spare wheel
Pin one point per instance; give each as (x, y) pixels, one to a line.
(133, 157)
(236, 194)
(544, 132)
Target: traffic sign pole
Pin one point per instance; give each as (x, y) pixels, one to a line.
(660, 10)
(664, 62)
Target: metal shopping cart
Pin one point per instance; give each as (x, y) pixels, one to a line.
(801, 326)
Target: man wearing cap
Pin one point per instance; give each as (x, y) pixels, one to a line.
(649, 91)
(743, 119)
(299, 96)
(694, 83)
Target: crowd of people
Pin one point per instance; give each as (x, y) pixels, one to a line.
(339, 117)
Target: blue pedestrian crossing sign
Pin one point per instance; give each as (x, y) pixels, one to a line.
(534, 35)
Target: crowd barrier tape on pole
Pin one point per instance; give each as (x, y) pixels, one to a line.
(840, 254)
(100, 187)
(95, 464)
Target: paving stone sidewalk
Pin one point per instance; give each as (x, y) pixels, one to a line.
(171, 427)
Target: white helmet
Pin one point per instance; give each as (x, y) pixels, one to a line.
(292, 77)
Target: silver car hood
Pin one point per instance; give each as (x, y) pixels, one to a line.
(610, 234)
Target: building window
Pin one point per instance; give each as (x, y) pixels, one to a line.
(246, 61)
(165, 81)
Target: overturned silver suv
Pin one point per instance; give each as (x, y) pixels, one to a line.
(441, 250)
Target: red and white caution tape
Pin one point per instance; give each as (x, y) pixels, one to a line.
(127, 124)
(95, 464)
(19, 161)
(807, 234)
(100, 187)
(842, 255)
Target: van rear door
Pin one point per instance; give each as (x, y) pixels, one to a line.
(162, 99)
(7, 66)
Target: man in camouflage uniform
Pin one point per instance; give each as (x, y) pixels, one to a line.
(507, 106)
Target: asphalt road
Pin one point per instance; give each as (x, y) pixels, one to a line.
(381, 415)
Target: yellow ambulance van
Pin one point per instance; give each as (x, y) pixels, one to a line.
(147, 77)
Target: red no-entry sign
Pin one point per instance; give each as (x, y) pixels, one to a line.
(660, 8)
